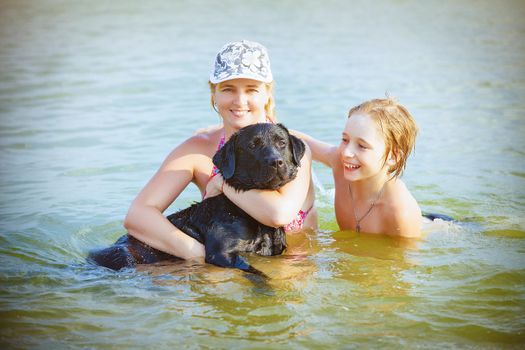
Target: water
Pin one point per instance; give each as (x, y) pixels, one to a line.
(93, 95)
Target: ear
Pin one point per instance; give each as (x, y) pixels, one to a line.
(297, 146)
(391, 160)
(297, 149)
(224, 159)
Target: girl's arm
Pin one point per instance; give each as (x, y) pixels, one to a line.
(145, 220)
(272, 208)
(321, 151)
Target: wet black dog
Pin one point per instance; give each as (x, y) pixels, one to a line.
(260, 156)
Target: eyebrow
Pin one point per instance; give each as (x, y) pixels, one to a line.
(358, 139)
(232, 85)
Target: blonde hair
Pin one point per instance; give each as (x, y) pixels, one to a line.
(269, 108)
(397, 126)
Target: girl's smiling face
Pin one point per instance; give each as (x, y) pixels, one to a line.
(362, 148)
(240, 102)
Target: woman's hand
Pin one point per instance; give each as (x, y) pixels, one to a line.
(275, 208)
(145, 220)
(215, 186)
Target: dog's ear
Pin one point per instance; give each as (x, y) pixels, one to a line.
(224, 159)
(297, 146)
(297, 149)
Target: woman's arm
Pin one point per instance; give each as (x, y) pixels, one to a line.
(321, 151)
(280, 207)
(272, 208)
(145, 220)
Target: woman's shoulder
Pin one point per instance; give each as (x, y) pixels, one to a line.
(191, 150)
(209, 130)
(203, 140)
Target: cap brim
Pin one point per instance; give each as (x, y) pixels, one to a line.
(268, 79)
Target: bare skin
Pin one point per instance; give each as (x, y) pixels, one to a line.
(361, 181)
(240, 103)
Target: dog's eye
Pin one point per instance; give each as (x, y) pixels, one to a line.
(254, 143)
(281, 143)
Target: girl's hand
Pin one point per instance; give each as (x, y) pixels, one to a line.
(214, 187)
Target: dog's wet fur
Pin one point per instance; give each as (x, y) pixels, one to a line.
(259, 156)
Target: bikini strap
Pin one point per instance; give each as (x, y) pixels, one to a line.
(298, 222)
(221, 142)
(215, 170)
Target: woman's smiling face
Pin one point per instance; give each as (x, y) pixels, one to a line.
(362, 148)
(240, 102)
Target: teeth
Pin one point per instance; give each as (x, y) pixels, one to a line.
(352, 166)
(239, 113)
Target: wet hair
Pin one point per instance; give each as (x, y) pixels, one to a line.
(397, 126)
(269, 107)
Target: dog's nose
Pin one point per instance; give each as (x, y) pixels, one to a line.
(276, 162)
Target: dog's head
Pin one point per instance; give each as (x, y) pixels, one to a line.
(260, 156)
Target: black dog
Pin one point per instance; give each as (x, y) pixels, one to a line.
(260, 156)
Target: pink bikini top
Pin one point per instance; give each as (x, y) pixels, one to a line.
(296, 224)
(215, 171)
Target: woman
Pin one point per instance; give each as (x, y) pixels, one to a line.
(241, 92)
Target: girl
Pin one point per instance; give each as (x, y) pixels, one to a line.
(241, 92)
(369, 196)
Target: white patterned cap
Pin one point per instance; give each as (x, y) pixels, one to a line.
(241, 59)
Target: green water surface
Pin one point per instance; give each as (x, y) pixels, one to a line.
(94, 95)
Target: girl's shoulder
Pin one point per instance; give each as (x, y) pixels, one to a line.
(399, 199)
(404, 212)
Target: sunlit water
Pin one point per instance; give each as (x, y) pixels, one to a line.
(93, 95)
